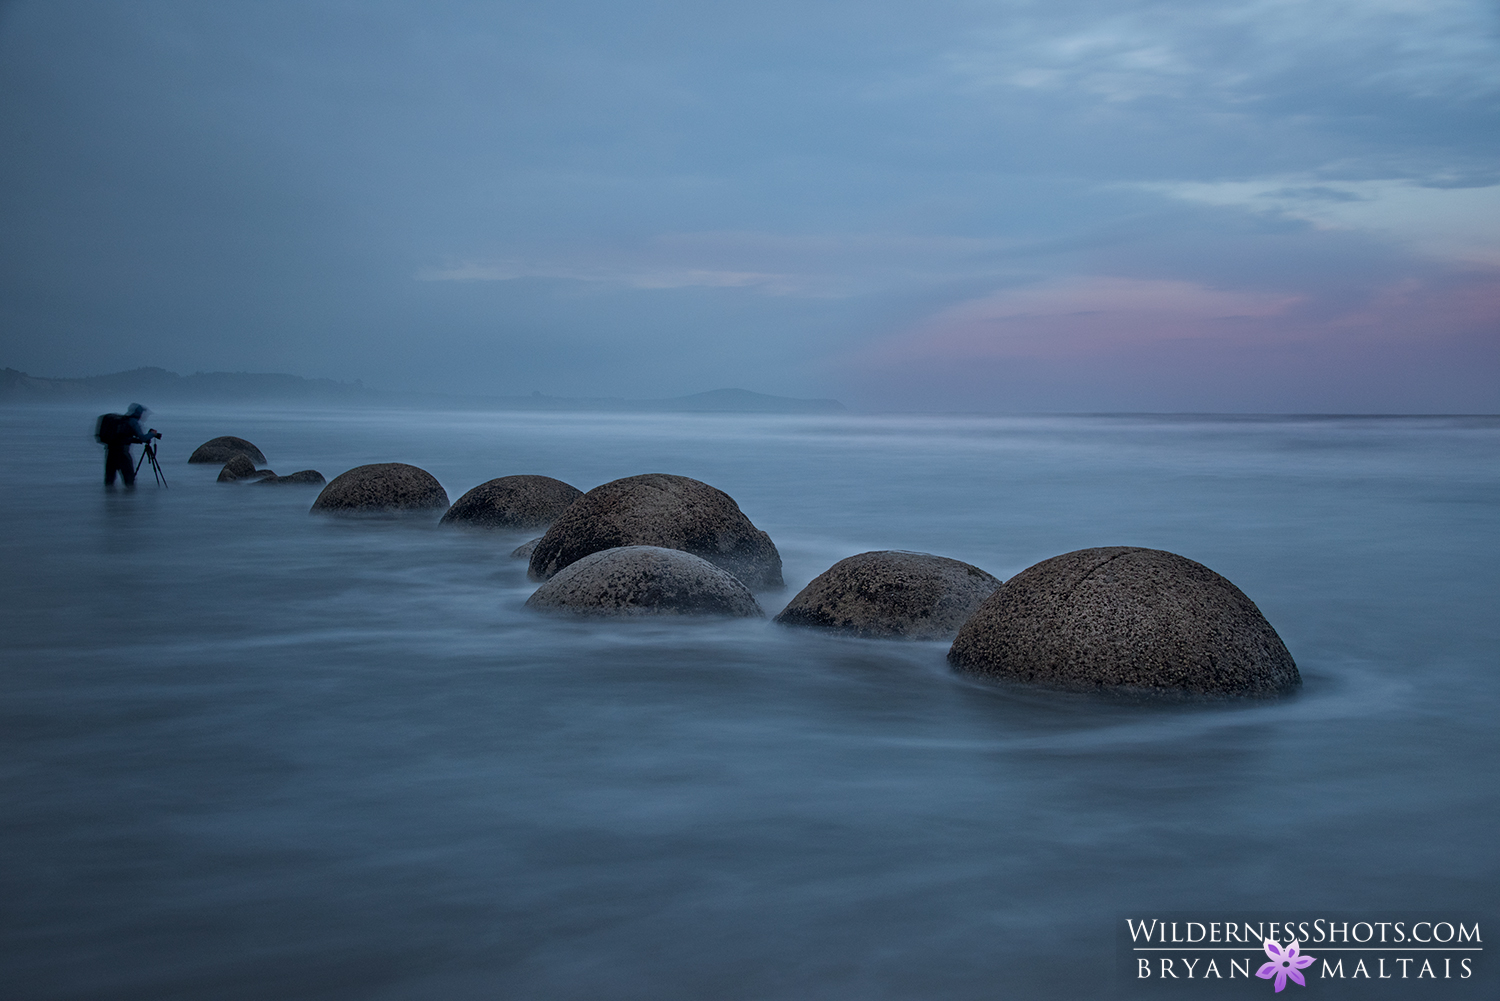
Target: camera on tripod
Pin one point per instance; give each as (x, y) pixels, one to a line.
(148, 453)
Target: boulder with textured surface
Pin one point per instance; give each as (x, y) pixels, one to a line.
(225, 448)
(301, 478)
(381, 487)
(518, 503)
(525, 549)
(241, 468)
(659, 509)
(890, 594)
(644, 580)
(1126, 618)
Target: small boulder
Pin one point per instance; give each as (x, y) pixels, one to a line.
(1126, 618)
(895, 595)
(225, 448)
(525, 549)
(241, 468)
(645, 580)
(382, 487)
(301, 478)
(658, 509)
(519, 503)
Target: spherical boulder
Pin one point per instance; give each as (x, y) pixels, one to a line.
(519, 503)
(644, 580)
(225, 448)
(381, 487)
(301, 478)
(889, 594)
(525, 549)
(239, 469)
(658, 509)
(1120, 617)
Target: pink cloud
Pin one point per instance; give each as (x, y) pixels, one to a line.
(1078, 319)
(1418, 345)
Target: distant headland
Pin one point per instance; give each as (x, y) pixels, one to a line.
(157, 385)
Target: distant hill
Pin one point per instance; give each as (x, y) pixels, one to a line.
(157, 385)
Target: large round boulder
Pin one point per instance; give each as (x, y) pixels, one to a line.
(219, 450)
(658, 509)
(644, 580)
(1125, 618)
(382, 487)
(518, 503)
(894, 595)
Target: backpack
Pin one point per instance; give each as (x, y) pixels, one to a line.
(113, 429)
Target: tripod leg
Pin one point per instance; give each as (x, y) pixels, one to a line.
(161, 479)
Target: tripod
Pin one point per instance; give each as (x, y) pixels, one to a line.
(150, 452)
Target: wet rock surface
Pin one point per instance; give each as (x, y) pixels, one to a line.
(660, 509)
(519, 503)
(301, 478)
(525, 549)
(1121, 617)
(239, 468)
(892, 594)
(224, 448)
(644, 580)
(381, 487)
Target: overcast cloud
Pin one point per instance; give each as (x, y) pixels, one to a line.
(1263, 206)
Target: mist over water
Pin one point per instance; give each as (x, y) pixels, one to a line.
(254, 753)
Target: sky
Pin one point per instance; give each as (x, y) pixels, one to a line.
(1128, 205)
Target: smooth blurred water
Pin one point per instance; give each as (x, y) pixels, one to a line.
(253, 753)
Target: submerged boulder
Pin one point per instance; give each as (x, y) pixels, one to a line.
(520, 503)
(525, 549)
(658, 509)
(241, 468)
(645, 580)
(225, 448)
(382, 487)
(892, 594)
(1127, 618)
(301, 478)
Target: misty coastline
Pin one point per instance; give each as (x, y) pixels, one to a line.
(163, 386)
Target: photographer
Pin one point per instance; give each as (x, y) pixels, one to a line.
(118, 432)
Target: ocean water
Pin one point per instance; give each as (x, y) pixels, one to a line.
(251, 753)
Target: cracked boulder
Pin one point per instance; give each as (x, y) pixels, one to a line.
(1125, 618)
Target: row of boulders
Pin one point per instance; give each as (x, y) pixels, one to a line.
(1118, 617)
(1112, 618)
(240, 458)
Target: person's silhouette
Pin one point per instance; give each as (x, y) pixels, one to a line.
(118, 432)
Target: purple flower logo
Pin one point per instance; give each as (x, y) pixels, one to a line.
(1284, 964)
